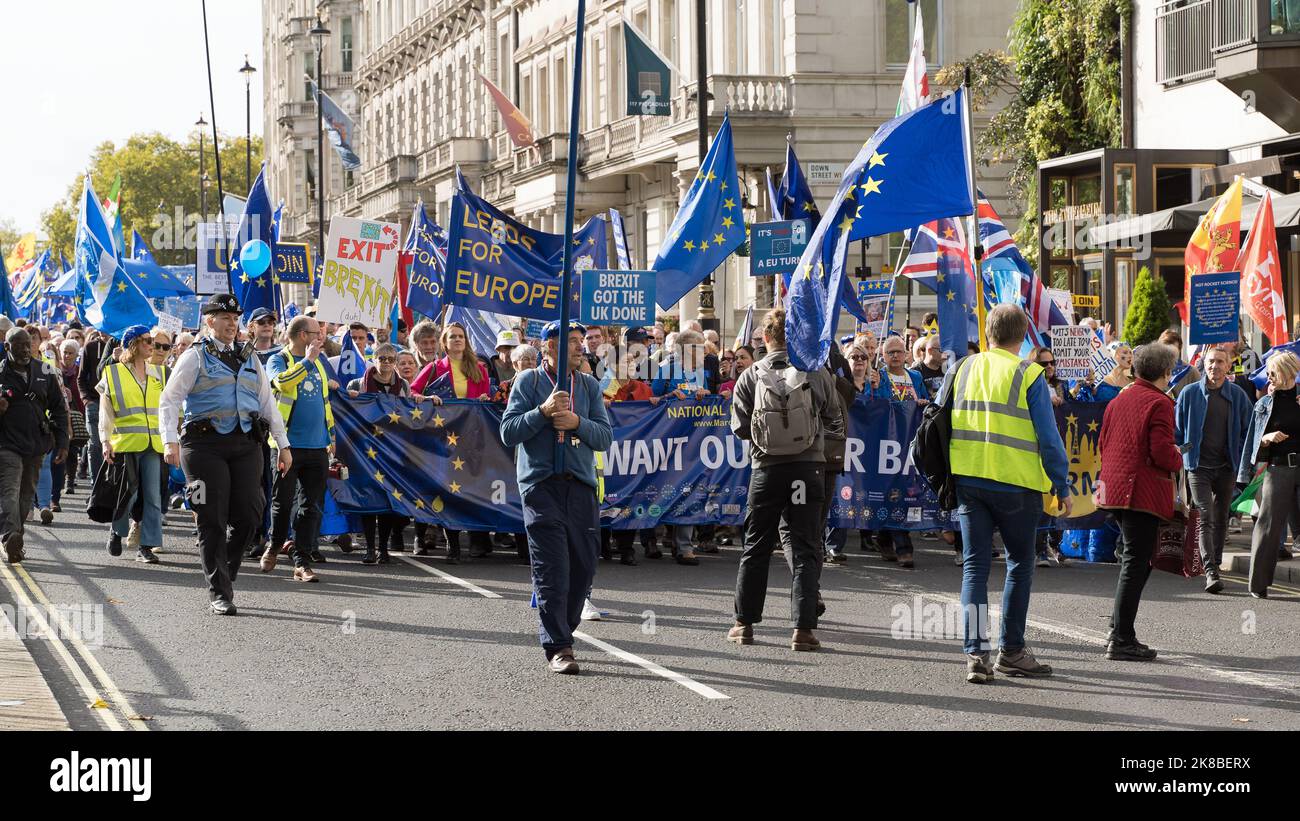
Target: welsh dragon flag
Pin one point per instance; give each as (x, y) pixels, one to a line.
(916, 87)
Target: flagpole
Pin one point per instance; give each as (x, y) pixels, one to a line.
(216, 144)
(977, 249)
(562, 343)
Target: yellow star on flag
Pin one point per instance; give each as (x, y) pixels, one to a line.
(438, 420)
(728, 203)
(121, 286)
(704, 246)
(948, 233)
(717, 239)
(416, 413)
(394, 418)
(397, 494)
(939, 277)
(419, 503)
(451, 439)
(846, 223)
(876, 159)
(371, 453)
(871, 186)
(455, 487)
(807, 207)
(709, 177)
(689, 245)
(951, 296)
(379, 477)
(378, 431)
(243, 278)
(458, 463)
(1092, 426)
(1071, 419)
(727, 222)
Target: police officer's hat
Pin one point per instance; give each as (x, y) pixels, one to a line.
(553, 329)
(222, 304)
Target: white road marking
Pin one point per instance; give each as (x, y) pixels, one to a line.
(87, 689)
(487, 594)
(673, 676)
(110, 688)
(1098, 637)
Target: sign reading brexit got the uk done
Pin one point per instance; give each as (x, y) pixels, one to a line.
(360, 264)
(618, 297)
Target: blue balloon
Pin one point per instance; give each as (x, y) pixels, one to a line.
(255, 257)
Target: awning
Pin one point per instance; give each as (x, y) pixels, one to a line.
(1286, 214)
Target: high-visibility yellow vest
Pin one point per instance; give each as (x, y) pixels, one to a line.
(286, 387)
(135, 409)
(992, 433)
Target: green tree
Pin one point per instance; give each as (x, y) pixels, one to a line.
(160, 190)
(1148, 313)
(1061, 82)
(9, 235)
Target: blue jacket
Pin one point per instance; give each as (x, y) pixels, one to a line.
(1189, 422)
(1258, 424)
(885, 391)
(524, 425)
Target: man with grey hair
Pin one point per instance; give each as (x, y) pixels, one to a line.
(33, 421)
(1005, 453)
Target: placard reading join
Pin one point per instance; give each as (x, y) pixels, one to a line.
(360, 264)
(1073, 347)
(617, 297)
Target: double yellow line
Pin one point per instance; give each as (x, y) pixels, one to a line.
(104, 699)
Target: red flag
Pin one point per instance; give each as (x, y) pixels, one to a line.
(521, 131)
(1261, 281)
(400, 287)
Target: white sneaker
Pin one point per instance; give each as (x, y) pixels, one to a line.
(589, 611)
(957, 559)
(133, 537)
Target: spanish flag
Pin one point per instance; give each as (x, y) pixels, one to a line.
(1214, 245)
(22, 253)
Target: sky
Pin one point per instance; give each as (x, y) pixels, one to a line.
(78, 72)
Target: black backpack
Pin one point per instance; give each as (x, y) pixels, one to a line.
(933, 436)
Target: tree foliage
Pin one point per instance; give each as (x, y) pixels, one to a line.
(159, 176)
(1148, 313)
(1061, 83)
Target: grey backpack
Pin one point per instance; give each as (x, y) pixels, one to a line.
(784, 423)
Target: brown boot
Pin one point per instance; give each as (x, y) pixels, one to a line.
(269, 557)
(304, 574)
(804, 640)
(741, 634)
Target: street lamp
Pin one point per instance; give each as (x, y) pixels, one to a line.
(203, 173)
(318, 35)
(247, 71)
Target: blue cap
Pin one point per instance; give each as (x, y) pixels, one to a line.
(133, 333)
(553, 329)
(847, 338)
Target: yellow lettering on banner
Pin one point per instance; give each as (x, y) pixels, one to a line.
(498, 289)
(353, 285)
(330, 274)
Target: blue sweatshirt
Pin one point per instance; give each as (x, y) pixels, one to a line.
(1050, 447)
(523, 425)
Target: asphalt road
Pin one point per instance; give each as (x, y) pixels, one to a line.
(401, 647)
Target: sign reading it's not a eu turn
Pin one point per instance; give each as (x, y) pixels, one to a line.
(617, 297)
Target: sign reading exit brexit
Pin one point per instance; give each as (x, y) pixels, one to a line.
(617, 297)
(775, 247)
(360, 263)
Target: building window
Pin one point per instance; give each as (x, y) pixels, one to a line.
(308, 68)
(776, 19)
(1176, 185)
(526, 95)
(345, 44)
(1125, 192)
(668, 30)
(543, 120)
(742, 37)
(309, 156)
(900, 19)
(562, 79)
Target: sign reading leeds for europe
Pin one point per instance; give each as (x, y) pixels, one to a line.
(617, 297)
(360, 263)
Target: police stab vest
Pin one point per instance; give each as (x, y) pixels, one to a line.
(135, 409)
(992, 433)
(223, 397)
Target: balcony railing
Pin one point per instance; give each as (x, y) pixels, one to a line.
(450, 152)
(402, 168)
(297, 109)
(750, 93)
(1184, 38)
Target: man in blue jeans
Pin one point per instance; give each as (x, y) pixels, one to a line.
(1006, 453)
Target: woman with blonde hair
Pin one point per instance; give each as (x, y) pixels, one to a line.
(1273, 443)
(466, 375)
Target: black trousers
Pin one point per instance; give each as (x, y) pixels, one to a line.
(477, 538)
(389, 527)
(303, 482)
(223, 476)
(829, 481)
(1213, 490)
(785, 505)
(1136, 545)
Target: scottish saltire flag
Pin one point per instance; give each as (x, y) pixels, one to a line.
(998, 244)
(707, 229)
(620, 240)
(339, 126)
(916, 86)
(425, 257)
(139, 251)
(940, 260)
(113, 215)
(106, 297)
(30, 286)
(913, 170)
(262, 291)
(793, 196)
(275, 221)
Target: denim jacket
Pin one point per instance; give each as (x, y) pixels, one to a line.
(1258, 424)
(1190, 422)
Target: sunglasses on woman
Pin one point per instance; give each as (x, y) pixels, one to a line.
(387, 360)
(162, 346)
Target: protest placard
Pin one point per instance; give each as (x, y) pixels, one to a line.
(212, 272)
(1214, 307)
(617, 297)
(775, 247)
(360, 265)
(1074, 346)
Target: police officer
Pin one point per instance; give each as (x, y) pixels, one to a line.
(221, 394)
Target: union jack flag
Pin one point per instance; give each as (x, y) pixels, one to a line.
(1033, 296)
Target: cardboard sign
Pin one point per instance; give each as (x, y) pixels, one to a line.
(873, 294)
(1064, 302)
(360, 264)
(170, 324)
(1214, 307)
(775, 247)
(617, 297)
(1074, 347)
(212, 275)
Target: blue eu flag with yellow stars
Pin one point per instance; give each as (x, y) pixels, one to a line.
(913, 170)
(106, 298)
(261, 291)
(793, 198)
(707, 229)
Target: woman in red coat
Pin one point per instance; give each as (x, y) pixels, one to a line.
(1139, 461)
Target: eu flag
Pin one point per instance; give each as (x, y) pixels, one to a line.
(912, 170)
(707, 229)
(426, 247)
(261, 291)
(106, 297)
(794, 198)
(939, 260)
(140, 251)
